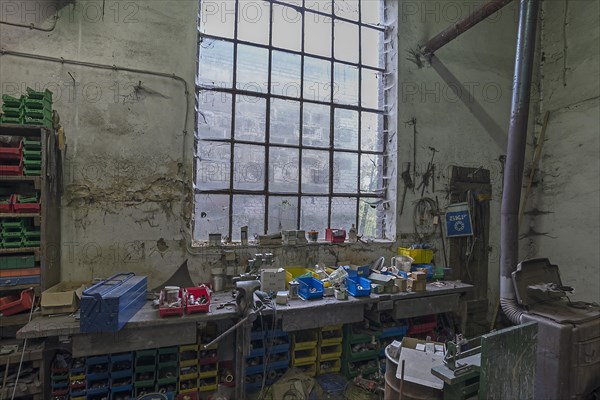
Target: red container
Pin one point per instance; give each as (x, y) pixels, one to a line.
(335, 235)
(6, 208)
(423, 324)
(26, 207)
(23, 303)
(11, 170)
(197, 292)
(168, 311)
(11, 153)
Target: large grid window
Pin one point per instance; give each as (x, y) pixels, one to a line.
(290, 117)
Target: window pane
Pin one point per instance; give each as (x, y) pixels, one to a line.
(248, 211)
(317, 34)
(346, 41)
(343, 212)
(345, 84)
(217, 18)
(285, 121)
(214, 115)
(283, 169)
(285, 74)
(287, 23)
(345, 129)
(211, 215)
(347, 8)
(213, 165)
(317, 79)
(371, 12)
(249, 167)
(313, 214)
(371, 169)
(253, 21)
(371, 89)
(316, 121)
(252, 68)
(250, 116)
(345, 172)
(371, 126)
(283, 214)
(215, 67)
(372, 47)
(324, 6)
(315, 171)
(368, 218)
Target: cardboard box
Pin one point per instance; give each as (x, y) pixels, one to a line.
(417, 285)
(62, 298)
(418, 276)
(420, 357)
(401, 284)
(272, 280)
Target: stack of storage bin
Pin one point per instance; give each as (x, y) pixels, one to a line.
(167, 370)
(12, 109)
(121, 376)
(59, 377)
(330, 349)
(188, 369)
(77, 381)
(97, 377)
(360, 351)
(305, 350)
(37, 108)
(32, 157)
(270, 354)
(144, 375)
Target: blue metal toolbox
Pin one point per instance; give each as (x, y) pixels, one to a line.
(108, 305)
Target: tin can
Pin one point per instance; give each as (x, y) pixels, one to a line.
(294, 285)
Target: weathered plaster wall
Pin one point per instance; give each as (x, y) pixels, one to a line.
(568, 188)
(128, 168)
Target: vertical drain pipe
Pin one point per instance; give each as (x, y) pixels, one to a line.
(515, 157)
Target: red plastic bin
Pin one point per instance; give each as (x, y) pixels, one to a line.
(22, 303)
(11, 170)
(11, 153)
(197, 292)
(168, 311)
(26, 207)
(7, 208)
(334, 235)
(422, 324)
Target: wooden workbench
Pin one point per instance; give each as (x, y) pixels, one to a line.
(147, 330)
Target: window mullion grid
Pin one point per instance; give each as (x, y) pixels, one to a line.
(331, 122)
(233, 101)
(359, 112)
(301, 126)
(268, 122)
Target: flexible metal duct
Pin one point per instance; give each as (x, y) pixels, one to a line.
(515, 157)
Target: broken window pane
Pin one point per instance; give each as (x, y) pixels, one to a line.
(215, 67)
(368, 221)
(287, 23)
(371, 171)
(372, 89)
(250, 116)
(317, 34)
(214, 115)
(345, 172)
(285, 74)
(211, 215)
(249, 167)
(248, 211)
(347, 9)
(253, 21)
(345, 41)
(217, 18)
(313, 214)
(213, 165)
(252, 69)
(345, 129)
(372, 47)
(343, 212)
(283, 169)
(315, 171)
(283, 214)
(316, 125)
(371, 126)
(345, 84)
(317, 79)
(285, 121)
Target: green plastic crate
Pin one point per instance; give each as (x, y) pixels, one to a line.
(4, 199)
(14, 224)
(11, 120)
(34, 235)
(12, 112)
(31, 243)
(33, 164)
(12, 243)
(45, 95)
(37, 104)
(32, 154)
(16, 262)
(38, 113)
(31, 144)
(11, 101)
(31, 198)
(11, 235)
(32, 172)
(37, 121)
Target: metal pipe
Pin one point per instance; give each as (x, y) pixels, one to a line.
(460, 27)
(515, 157)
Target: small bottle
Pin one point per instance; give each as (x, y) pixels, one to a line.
(352, 234)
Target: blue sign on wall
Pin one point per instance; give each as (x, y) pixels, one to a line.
(458, 220)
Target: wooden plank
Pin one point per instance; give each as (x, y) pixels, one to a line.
(135, 339)
(508, 362)
(425, 306)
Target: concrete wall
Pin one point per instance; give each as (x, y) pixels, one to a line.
(127, 200)
(568, 189)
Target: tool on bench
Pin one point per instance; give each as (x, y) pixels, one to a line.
(408, 184)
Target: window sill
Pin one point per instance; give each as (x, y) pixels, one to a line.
(201, 244)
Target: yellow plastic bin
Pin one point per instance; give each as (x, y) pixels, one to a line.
(421, 256)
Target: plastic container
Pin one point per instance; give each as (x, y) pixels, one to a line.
(10, 153)
(197, 292)
(330, 352)
(421, 256)
(310, 288)
(17, 305)
(335, 235)
(11, 170)
(358, 286)
(170, 311)
(422, 324)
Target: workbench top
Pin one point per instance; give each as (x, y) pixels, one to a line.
(147, 316)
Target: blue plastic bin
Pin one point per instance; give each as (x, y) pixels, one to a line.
(354, 283)
(308, 283)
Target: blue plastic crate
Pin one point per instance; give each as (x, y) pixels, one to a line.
(280, 348)
(279, 364)
(78, 393)
(276, 333)
(307, 284)
(19, 280)
(104, 359)
(255, 369)
(118, 357)
(393, 332)
(354, 283)
(59, 384)
(258, 352)
(257, 335)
